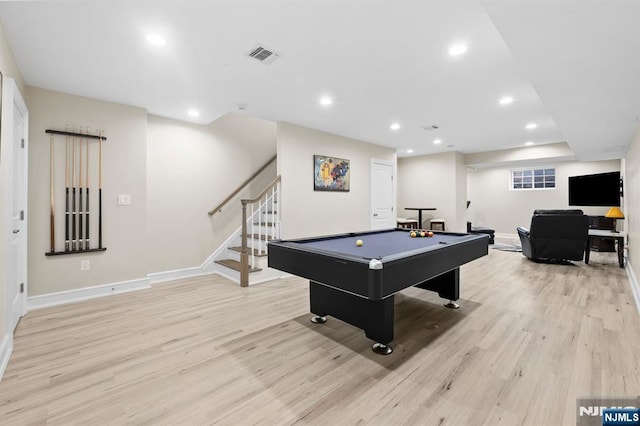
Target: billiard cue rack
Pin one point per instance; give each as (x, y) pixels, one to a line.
(81, 173)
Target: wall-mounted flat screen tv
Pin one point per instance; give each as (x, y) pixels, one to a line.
(602, 189)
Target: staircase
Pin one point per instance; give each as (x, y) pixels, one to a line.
(243, 258)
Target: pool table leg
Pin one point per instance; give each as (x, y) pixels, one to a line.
(375, 317)
(381, 349)
(452, 305)
(447, 286)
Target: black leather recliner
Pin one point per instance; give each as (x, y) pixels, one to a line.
(555, 235)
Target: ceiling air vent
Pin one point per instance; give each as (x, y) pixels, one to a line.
(262, 54)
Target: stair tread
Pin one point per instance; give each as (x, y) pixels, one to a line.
(256, 252)
(265, 223)
(235, 265)
(260, 237)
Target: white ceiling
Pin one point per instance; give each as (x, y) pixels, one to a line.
(572, 66)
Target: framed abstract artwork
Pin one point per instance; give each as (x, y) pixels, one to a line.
(331, 173)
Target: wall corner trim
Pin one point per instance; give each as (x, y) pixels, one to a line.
(6, 348)
(635, 288)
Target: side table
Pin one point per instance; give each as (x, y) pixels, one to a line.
(618, 237)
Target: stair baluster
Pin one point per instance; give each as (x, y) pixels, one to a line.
(258, 218)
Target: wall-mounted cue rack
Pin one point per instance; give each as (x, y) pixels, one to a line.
(81, 172)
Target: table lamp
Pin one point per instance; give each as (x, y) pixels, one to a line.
(614, 213)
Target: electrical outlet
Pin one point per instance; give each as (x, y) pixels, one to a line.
(85, 265)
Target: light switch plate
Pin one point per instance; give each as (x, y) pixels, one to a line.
(124, 200)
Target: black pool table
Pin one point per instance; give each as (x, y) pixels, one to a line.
(358, 284)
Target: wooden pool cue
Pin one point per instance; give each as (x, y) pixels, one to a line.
(87, 244)
(73, 193)
(100, 192)
(52, 194)
(66, 186)
(80, 190)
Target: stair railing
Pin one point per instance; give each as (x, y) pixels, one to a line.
(263, 213)
(219, 207)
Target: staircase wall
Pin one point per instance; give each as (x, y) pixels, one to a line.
(191, 168)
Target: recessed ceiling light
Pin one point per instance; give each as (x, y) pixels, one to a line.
(531, 126)
(437, 141)
(193, 113)
(457, 49)
(529, 143)
(506, 100)
(394, 126)
(409, 151)
(326, 101)
(156, 40)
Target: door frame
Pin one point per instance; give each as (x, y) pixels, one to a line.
(373, 191)
(12, 100)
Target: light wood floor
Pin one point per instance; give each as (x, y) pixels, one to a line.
(528, 340)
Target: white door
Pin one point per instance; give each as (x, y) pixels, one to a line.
(382, 197)
(16, 166)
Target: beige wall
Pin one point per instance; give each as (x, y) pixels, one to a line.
(175, 172)
(437, 180)
(193, 168)
(494, 205)
(9, 69)
(124, 172)
(306, 212)
(632, 201)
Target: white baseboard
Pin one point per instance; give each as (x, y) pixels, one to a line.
(6, 347)
(635, 288)
(228, 273)
(208, 265)
(267, 274)
(77, 295)
(178, 274)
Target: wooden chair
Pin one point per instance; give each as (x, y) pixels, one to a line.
(404, 222)
(436, 224)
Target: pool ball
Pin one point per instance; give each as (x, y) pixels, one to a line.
(359, 243)
(422, 233)
(412, 234)
(430, 234)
